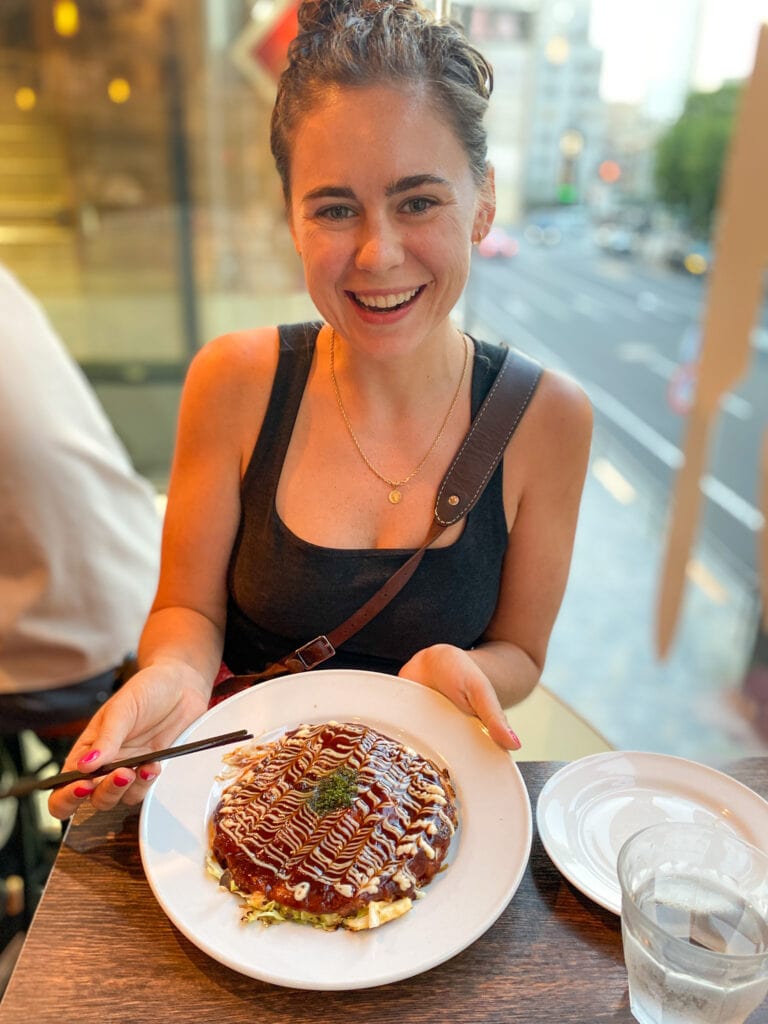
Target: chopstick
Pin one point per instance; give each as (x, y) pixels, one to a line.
(29, 784)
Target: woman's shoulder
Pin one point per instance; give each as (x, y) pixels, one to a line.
(237, 351)
(557, 425)
(563, 410)
(230, 378)
(559, 389)
(254, 352)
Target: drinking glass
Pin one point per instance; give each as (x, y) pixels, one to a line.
(694, 923)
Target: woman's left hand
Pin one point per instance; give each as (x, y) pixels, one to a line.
(452, 672)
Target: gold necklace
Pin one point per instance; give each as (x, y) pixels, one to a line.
(395, 494)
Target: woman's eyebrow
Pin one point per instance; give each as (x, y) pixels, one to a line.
(405, 184)
(328, 192)
(414, 181)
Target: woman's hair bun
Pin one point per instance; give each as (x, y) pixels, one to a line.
(316, 15)
(399, 43)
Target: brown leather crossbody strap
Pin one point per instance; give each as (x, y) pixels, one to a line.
(462, 486)
(488, 437)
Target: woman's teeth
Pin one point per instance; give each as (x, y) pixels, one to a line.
(387, 302)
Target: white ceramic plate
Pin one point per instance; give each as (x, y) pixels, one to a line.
(587, 810)
(487, 857)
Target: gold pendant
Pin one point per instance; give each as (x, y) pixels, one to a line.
(395, 496)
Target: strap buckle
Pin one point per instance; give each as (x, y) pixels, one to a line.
(312, 653)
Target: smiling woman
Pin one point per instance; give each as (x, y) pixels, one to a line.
(309, 456)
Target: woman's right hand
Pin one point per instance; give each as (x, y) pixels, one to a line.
(148, 713)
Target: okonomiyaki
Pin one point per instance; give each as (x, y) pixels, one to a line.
(331, 825)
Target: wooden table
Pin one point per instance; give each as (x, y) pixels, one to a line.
(101, 951)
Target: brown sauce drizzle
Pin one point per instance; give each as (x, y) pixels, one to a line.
(389, 842)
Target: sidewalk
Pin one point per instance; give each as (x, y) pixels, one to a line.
(601, 658)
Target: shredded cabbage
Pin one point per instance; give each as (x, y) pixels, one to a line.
(257, 908)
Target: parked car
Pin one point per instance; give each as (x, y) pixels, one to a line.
(616, 240)
(543, 232)
(498, 244)
(688, 255)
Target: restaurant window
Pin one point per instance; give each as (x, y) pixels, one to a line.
(139, 203)
(138, 199)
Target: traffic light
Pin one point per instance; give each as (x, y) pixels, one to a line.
(609, 172)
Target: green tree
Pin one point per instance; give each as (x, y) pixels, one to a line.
(691, 153)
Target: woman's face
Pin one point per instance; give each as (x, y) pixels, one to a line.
(383, 211)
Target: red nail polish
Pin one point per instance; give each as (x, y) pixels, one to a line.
(515, 739)
(82, 791)
(147, 775)
(120, 780)
(87, 758)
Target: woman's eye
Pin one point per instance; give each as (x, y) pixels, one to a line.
(419, 204)
(336, 212)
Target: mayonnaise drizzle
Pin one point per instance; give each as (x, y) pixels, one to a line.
(403, 810)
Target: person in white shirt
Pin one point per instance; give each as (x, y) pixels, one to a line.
(79, 530)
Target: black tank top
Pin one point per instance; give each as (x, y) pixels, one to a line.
(284, 591)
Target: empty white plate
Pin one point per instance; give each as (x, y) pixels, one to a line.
(588, 808)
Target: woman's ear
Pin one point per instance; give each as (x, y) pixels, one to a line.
(486, 207)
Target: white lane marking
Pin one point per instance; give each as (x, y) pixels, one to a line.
(732, 503)
(625, 306)
(637, 428)
(648, 302)
(714, 489)
(650, 439)
(587, 306)
(613, 481)
(641, 352)
(706, 581)
(543, 300)
(518, 308)
(643, 299)
(737, 406)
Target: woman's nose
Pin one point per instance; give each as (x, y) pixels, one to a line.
(380, 246)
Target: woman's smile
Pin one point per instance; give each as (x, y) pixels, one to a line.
(387, 307)
(386, 302)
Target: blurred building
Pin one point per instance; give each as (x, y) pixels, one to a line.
(504, 31)
(623, 185)
(565, 138)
